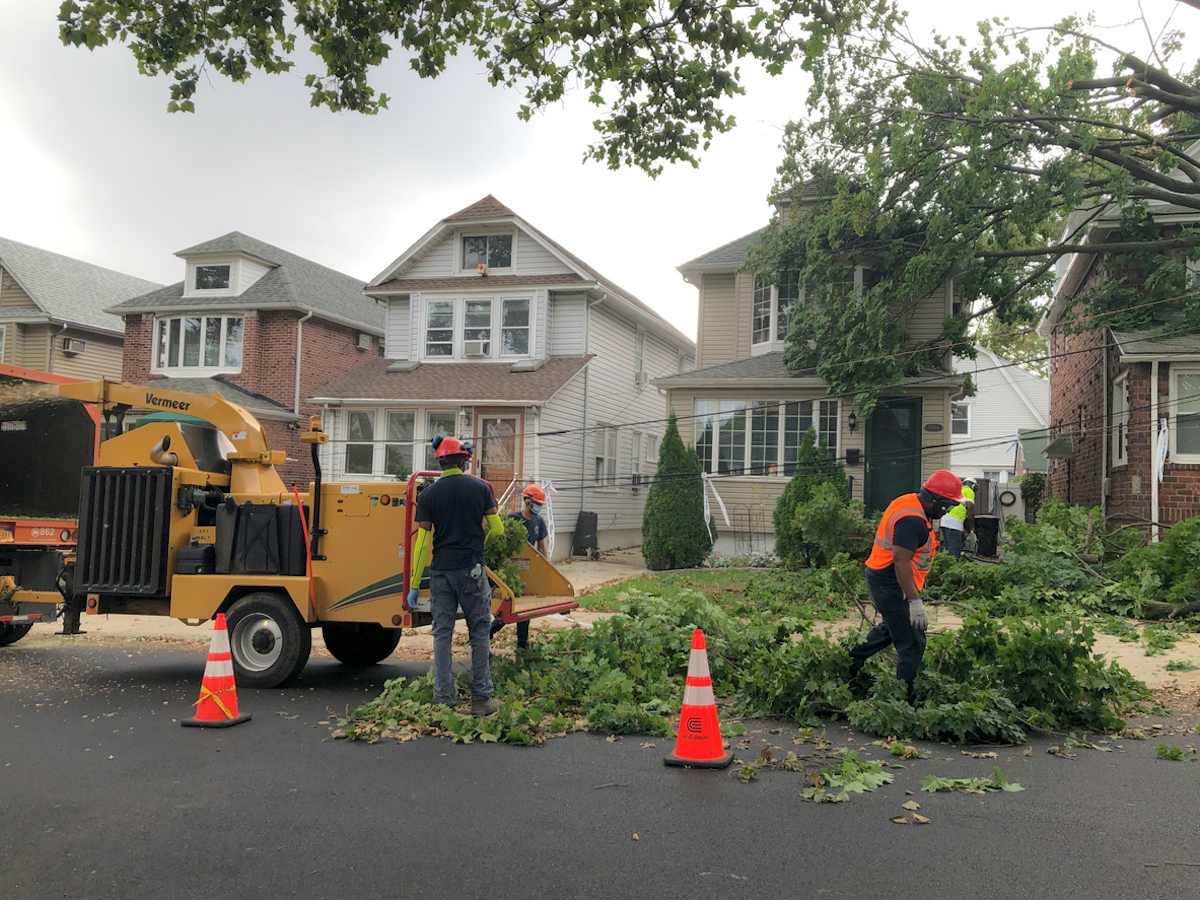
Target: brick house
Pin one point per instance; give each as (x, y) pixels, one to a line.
(1108, 391)
(259, 324)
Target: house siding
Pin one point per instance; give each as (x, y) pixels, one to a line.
(102, 358)
(925, 319)
(535, 259)
(565, 324)
(32, 347)
(12, 295)
(562, 457)
(718, 321)
(249, 272)
(437, 263)
(997, 412)
(398, 339)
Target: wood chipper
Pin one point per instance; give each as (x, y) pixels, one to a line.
(186, 516)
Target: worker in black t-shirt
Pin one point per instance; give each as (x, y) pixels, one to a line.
(533, 501)
(896, 571)
(455, 507)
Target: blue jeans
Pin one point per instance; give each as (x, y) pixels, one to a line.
(470, 589)
(953, 541)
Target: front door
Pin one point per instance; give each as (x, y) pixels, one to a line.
(893, 451)
(500, 447)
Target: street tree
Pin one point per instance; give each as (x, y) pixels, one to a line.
(984, 160)
(661, 70)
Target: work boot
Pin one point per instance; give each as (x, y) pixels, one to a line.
(497, 624)
(484, 706)
(912, 694)
(860, 689)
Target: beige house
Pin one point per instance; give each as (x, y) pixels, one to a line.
(746, 414)
(52, 312)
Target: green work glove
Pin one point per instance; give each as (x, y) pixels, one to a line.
(917, 617)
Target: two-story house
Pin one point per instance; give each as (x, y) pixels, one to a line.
(746, 414)
(52, 312)
(496, 331)
(1112, 390)
(261, 325)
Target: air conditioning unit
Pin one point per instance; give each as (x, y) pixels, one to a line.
(73, 346)
(477, 348)
(641, 378)
(364, 342)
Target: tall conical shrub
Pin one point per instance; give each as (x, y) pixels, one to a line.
(674, 535)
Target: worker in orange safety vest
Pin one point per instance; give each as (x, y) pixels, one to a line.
(896, 571)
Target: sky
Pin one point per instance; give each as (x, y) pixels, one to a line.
(93, 167)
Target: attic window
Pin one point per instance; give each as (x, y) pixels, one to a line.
(212, 278)
(492, 250)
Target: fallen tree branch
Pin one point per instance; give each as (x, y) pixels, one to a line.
(1155, 609)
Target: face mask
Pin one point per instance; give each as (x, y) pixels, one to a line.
(536, 509)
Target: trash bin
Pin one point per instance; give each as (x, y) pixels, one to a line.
(988, 530)
(586, 541)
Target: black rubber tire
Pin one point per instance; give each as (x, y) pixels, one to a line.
(10, 634)
(268, 640)
(360, 643)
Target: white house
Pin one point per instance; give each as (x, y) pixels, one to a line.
(983, 428)
(496, 331)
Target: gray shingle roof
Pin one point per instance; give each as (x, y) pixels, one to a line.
(294, 283)
(768, 365)
(71, 290)
(1153, 342)
(476, 382)
(726, 258)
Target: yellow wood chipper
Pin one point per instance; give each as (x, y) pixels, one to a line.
(186, 516)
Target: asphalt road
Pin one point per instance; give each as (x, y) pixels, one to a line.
(105, 795)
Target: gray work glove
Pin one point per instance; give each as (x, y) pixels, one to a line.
(917, 617)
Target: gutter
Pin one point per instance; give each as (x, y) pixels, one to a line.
(53, 341)
(299, 346)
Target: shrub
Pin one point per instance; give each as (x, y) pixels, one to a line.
(674, 534)
(829, 521)
(815, 465)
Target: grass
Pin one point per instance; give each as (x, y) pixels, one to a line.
(721, 585)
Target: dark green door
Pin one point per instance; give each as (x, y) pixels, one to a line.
(893, 451)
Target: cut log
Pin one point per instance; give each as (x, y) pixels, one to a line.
(1156, 610)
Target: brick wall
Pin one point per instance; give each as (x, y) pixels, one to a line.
(269, 369)
(1077, 401)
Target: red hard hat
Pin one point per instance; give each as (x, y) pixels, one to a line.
(534, 493)
(945, 484)
(452, 446)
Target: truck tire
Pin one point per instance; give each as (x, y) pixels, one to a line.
(268, 640)
(360, 643)
(10, 634)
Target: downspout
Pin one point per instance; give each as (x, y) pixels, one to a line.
(537, 444)
(50, 362)
(1104, 433)
(1154, 455)
(299, 339)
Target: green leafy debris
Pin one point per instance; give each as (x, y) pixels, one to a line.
(979, 785)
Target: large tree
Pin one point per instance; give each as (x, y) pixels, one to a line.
(661, 70)
(984, 160)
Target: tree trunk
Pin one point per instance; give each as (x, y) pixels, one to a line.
(1156, 610)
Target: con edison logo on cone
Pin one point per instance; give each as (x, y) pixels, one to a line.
(217, 706)
(699, 740)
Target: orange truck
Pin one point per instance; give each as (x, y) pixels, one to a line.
(45, 444)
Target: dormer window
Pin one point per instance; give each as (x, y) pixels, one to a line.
(491, 250)
(213, 278)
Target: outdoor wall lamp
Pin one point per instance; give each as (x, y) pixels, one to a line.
(852, 421)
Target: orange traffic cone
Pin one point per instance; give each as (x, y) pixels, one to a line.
(217, 706)
(699, 740)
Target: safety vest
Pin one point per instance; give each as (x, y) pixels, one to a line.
(960, 512)
(881, 554)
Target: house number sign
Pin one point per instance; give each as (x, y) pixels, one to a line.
(934, 426)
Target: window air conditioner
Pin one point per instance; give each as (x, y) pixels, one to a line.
(641, 378)
(73, 346)
(364, 342)
(477, 348)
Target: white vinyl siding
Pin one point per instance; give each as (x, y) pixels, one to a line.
(398, 337)
(249, 272)
(437, 263)
(1006, 399)
(567, 312)
(532, 258)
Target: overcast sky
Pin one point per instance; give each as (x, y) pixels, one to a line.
(93, 167)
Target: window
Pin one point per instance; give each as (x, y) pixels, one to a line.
(493, 250)
(398, 451)
(639, 352)
(760, 437)
(960, 419)
(209, 343)
(438, 421)
(651, 444)
(360, 441)
(772, 308)
(514, 327)
(760, 328)
(1185, 404)
(212, 278)
(635, 466)
(605, 474)
(439, 328)
(1120, 420)
(477, 323)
